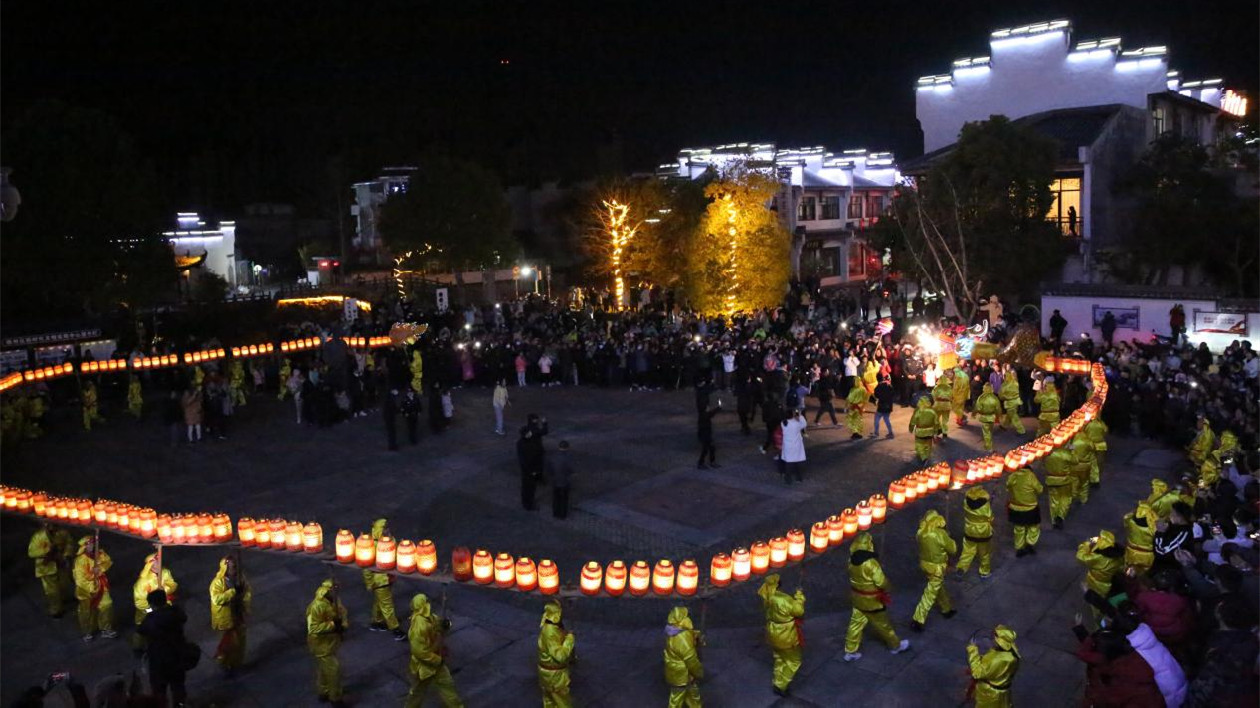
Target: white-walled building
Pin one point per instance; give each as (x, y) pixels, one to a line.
(829, 196)
(1100, 101)
(211, 247)
(369, 197)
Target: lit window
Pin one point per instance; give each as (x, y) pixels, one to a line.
(1158, 121)
(808, 209)
(1065, 208)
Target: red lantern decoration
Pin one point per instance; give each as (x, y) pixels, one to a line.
(819, 539)
(835, 530)
(912, 489)
(920, 483)
(778, 552)
(406, 557)
(221, 524)
(504, 571)
(461, 564)
(592, 578)
(148, 525)
(483, 567)
(179, 528)
(343, 544)
(760, 557)
(426, 557)
(688, 577)
(548, 577)
(164, 530)
(864, 515)
(640, 578)
(526, 574)
(386, 553)
(741, 564)
(364, 551)
(615, 578)
(850, 518)
(312, 538)
(720, 570)
(796, 544)
(278, 529)
(879, 508)
(663, 578)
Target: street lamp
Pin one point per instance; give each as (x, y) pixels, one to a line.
(528, 271)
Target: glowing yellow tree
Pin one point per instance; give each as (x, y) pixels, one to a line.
(615, 218)
(743, 263)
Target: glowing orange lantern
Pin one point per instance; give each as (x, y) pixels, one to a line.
(592, 578)
(386, 553)
(222, 528)
(897, 494)
(84, 508)
(526, 574)
(835, 530)
(933, 482)
(111, 514)
(778, 552)
(312, 538)
(864, 515)
(688, 577)
(615, 578)
(483, 567)
(124, 514)
(39, 503)
(426, 557)
(461, 564)
(741, 564)
(292, 536)
(548, 577)
(850, 518)
(164, 529)
(365, 551)
(148, 524)
(179, 529)
(343, 546)
(24, 501)
(504, 571)
(819, 539)
(406, 557)
(663, 578)
(760, 557)
(99, 514)
(920, 483)
(912, 489)
(277, 527)
(640, 578)
(943, 474)
(796, 544)
(720, 570)
(879, 508)
(262, 534)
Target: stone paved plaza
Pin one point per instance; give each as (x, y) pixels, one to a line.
(638, 495)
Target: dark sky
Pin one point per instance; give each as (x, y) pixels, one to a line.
(261, 94)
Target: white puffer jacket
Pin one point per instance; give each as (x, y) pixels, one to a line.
(1168, 674)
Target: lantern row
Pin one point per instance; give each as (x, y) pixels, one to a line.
(502, 570)
(129, 519)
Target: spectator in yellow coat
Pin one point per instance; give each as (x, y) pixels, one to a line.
(683, 670)
(784, 614)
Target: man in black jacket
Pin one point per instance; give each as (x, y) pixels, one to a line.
(825, 389)
(167, 648)
(704, 430)
(529, 452)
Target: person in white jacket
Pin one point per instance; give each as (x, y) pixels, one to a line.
(1169, 675)
(792, 458)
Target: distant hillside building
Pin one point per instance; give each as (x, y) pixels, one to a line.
(1101, 102)
(211, 247)
(830, 197)
(369, 197)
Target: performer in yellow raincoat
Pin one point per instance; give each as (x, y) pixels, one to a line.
(555, 655)
(923, 426)
(1096, 430)
(870, 377)
(683, 670)
(135, 397)
(51, 548)
(326, 622)
(1009, 393)
(1103, 561)
(417, 373)
(378, 585)
(1214, 462)
(148, 581)
(977, 531)
(1202, 443)
(993, 672)
(91, 589)
(1084, 462)
(1061, 483)
(1023, 509)
(935, 548)
(856, 399)
(1047, 401)
(286, 370)
(230, 601)
(1162, 498)
(868, 591)
(428, 656)
(91, 409)
(959, 396)
(943, 402)
(784, 613)
(236, 382)
(1139, 535)
(987, 409)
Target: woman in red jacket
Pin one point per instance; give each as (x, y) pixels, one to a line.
(1168, 613)
(1115, 675)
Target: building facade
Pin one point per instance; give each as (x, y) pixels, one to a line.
(369, 197)
(827, 198)
(1101, 102)
(210, 247)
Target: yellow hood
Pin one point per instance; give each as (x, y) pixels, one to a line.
(1144, 511)
(976, 492)
(924, 403)
(1106, 540)
(551, 613)
(324, 590)
(863, 542)
(420, 605)
(1158, 487)
(1004, 637)
(931, 520)
(679, 617)
(1048, 388)
(987, 388)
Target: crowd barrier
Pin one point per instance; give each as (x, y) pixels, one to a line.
(640, 579)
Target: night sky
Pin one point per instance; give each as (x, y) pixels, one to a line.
(261, 95)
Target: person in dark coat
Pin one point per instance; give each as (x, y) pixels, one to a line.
(163, 628)
(825, 390)
(747, 398)
(410, 407)
(529, 452)
(559, 474)
(704, 430)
